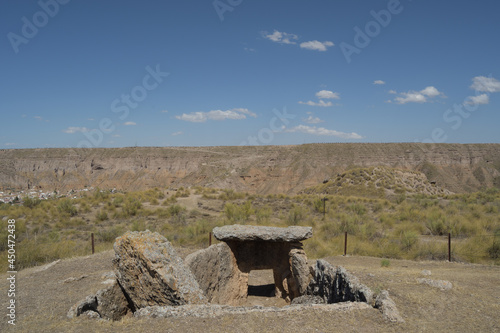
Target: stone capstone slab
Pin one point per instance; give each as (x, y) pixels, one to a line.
(238, 232)
(151, 273)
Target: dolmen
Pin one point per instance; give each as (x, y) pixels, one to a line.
(222, 270)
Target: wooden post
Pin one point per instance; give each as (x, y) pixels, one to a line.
(345, 244)
(92, 237)
(210, 238)
(449, 246)
(324, 207)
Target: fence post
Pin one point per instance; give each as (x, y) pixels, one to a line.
(449, 246)
(345, 244)
(210, 238)
(92, 237)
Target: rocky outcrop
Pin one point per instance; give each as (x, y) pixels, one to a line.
(246, 233)
(151, 273)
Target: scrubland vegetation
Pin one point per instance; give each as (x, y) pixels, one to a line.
(396, 226)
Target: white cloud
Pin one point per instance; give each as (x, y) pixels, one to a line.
(410, 97)
(249, 49)
(392, 91)
(327, 94)
(10, 144)
(313, 130)
(480, 99)
(430, 91)
(313, 120)
(72, 130)
(417, 96)
(201, 117)
(177, 133)
(164, 111)
(320, 103)
(323, 94)
(117, 136)
(38, 117)
(378, 82)
(281, 37)
(316, 45)
(483, 83)
(129, 123)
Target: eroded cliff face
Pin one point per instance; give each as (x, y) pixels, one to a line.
(258, 169)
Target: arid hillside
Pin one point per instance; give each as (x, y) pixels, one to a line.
(256, 169)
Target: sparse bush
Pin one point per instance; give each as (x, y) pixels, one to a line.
(131, 207)
(109, 234)
(65, 206)
(31, 202)
(238, 213)
(118, 201)
(138, 225)
(385, 263)
(358, 208)
(408, 239)
(296, 215)
(101, 215)
(263, 214)
(175, 210)
(494, 250)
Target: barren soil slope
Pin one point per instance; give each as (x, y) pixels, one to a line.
(257, 169)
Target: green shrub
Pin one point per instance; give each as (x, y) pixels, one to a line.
(131, 207)
(385, 263)
(101, 215)
(65, 206)
(263, 214)
(408, 239)
(175, 210)
(31, 202)
(296, 215)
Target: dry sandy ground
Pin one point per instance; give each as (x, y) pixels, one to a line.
(472, 305)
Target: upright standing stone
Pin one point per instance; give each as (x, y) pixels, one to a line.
(151, 273)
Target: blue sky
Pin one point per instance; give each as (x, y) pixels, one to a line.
(230, 72)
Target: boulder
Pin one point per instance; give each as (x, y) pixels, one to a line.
(335, 284)
(151, 273)
(83, 306)
(388, 308)
(109, 303)
(112, 303)
(238, 232)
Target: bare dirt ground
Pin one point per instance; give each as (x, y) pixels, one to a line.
(472, 305)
